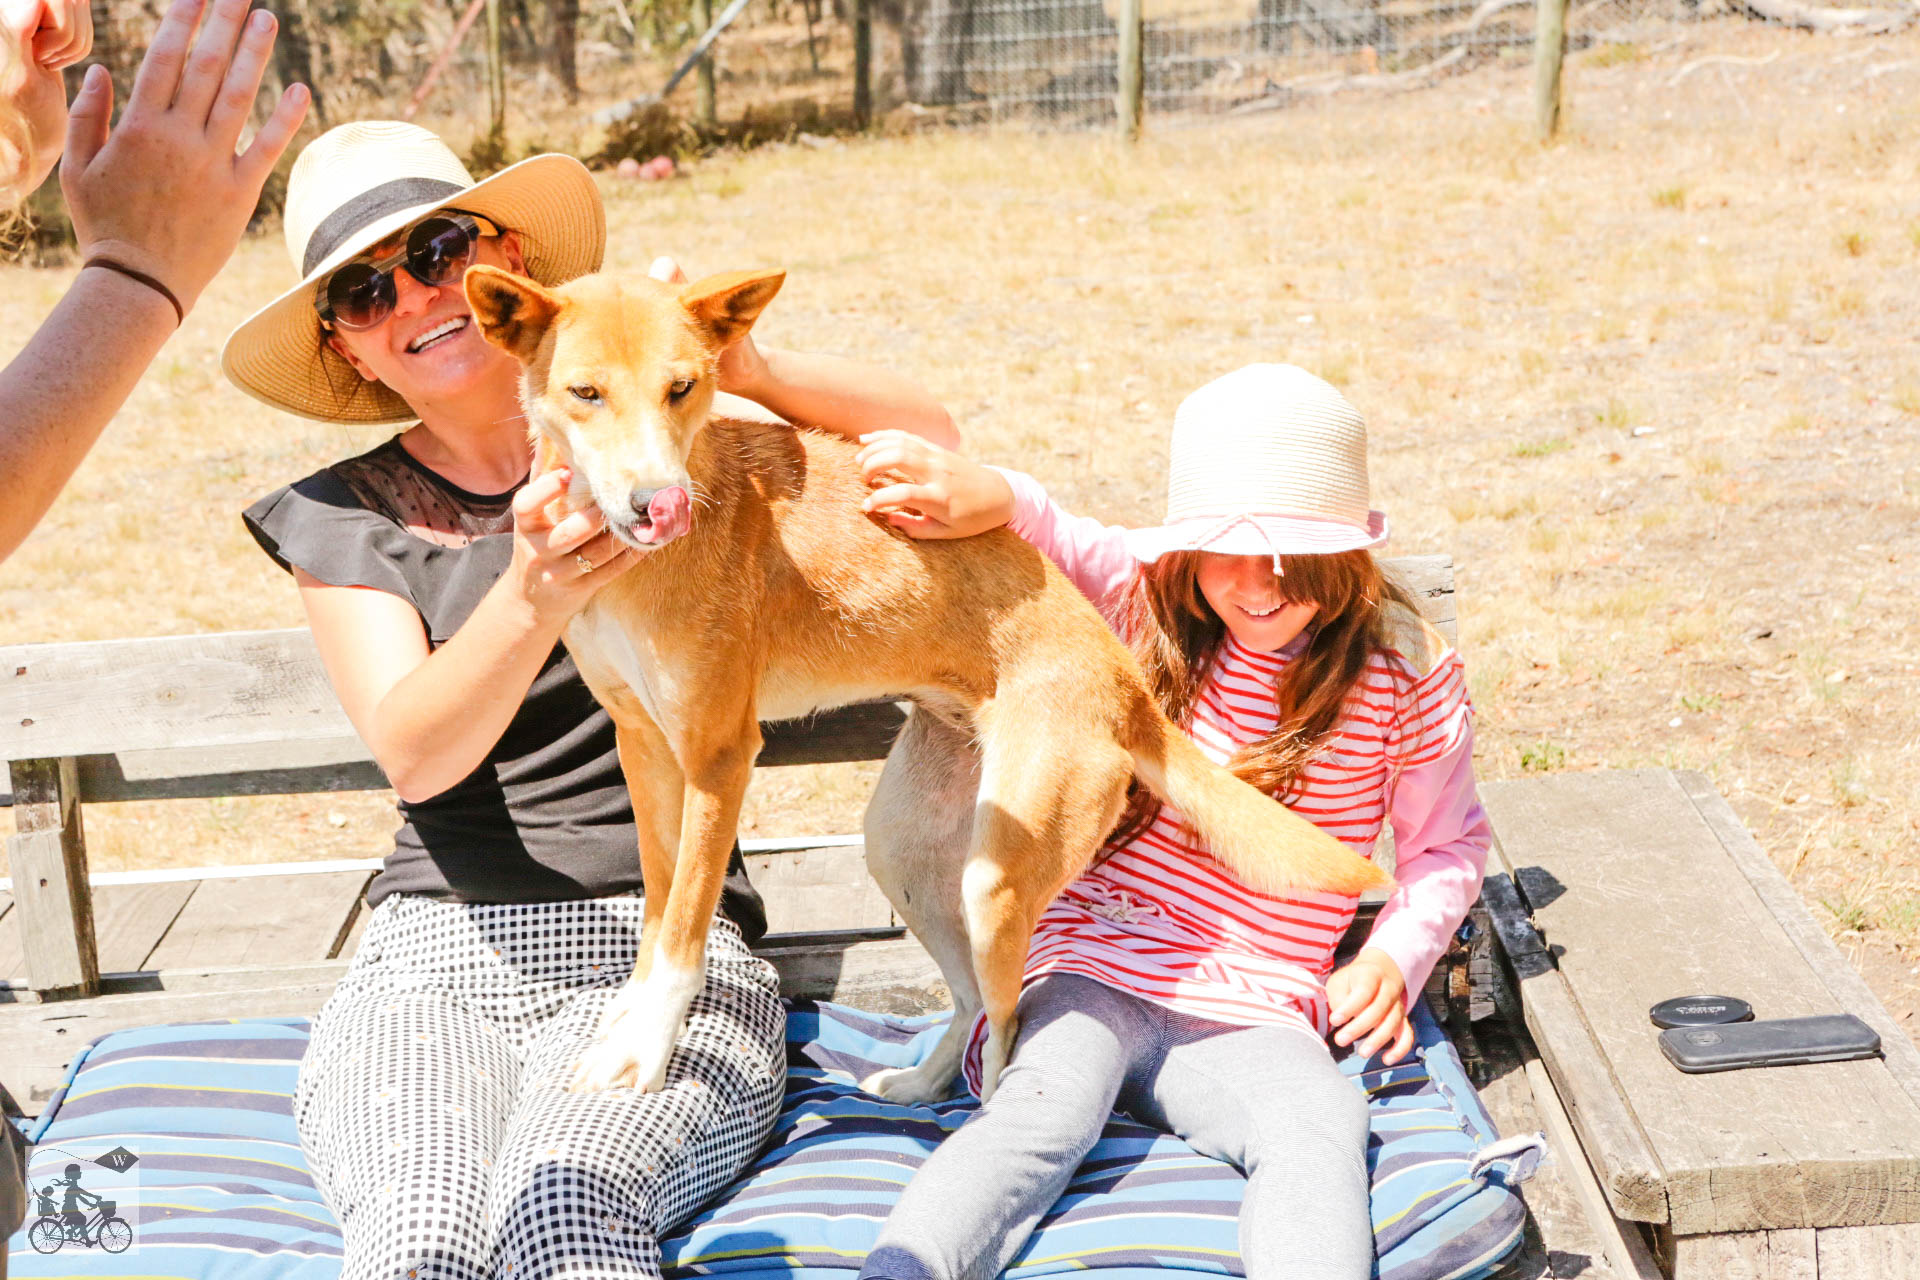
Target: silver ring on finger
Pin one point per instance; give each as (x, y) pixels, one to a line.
(586, 566)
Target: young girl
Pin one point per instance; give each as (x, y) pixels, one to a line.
(1158, 981)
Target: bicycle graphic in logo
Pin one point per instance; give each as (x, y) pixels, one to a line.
(68, 1213)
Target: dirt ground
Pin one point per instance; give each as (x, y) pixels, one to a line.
(1653, 388)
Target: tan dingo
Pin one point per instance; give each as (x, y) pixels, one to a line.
(766, 593)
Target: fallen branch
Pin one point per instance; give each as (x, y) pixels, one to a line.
(620, 111)
(1719, 60)
(1874, 73)
(1805, 17)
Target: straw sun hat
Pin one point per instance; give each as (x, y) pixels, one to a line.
(358, 184)
(1267, 460)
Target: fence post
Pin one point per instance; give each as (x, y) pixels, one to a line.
(862, 64)
(496, 79)
(1549, 48)
(1132, 69)
(708, 107)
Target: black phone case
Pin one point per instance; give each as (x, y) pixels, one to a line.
(1773, 1042)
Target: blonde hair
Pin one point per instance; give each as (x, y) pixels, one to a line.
(16, 146)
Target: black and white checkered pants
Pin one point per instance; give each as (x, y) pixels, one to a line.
(433, 1104)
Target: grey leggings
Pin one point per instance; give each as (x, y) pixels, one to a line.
(1268, 1100)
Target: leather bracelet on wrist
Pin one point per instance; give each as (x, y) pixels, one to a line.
(180, 312)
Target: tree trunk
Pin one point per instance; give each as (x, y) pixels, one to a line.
(566, 26)
(293, 53)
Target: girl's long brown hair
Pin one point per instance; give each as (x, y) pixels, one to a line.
(1176, 637)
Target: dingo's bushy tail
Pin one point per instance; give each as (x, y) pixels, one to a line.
(1253, 835)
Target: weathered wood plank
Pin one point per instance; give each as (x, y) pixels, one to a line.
(826, 888)
(1640, 901)
(1748, 1255)
(13, 958)
(190, 701)
(1559, 1241)
(1625, 1248)
(1869, 1253)
(1622, 1157)
(164, 692)
(1429, 579)
(1815, 947)
(129, 920)
(47, 861)
(286, 919)
(251, 712)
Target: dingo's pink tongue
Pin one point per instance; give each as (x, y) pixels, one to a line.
(671, 513)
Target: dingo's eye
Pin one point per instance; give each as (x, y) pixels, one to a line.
(584, 392)
(680, 388)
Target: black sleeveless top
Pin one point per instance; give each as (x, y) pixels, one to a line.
(546, 816)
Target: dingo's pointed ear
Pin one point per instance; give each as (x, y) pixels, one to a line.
(729, 303)
(512, 311)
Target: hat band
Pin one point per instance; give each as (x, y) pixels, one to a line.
(368, 207)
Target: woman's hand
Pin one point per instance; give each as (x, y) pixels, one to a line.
(1367, 997)
(163, 191)
(929, 492)
(551, 558)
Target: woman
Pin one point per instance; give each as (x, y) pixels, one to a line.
(158, 205)
(433, 1101)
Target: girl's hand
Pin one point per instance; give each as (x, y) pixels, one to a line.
(163, 191)
(1367, 997)
(551, 558)
(929, 492)
(741, 369)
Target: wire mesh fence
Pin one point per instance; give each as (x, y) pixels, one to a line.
(785, 67)
(1054, 61)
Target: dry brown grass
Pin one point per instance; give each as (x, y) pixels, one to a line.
(1665, 437)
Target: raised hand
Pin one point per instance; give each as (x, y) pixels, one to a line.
(163, 192)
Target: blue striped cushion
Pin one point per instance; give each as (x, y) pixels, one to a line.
(811, 1206)
(226, 1193)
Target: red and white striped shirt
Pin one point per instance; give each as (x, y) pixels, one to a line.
(1159, 918)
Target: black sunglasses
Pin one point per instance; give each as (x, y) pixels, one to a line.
(360, 294)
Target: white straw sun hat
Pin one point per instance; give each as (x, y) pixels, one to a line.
(1266, 460)
(358, 184)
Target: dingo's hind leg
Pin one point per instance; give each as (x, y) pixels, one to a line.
(918, 828)
(1051, 787)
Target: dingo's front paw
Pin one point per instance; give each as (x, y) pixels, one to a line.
(637, 1032)
(610, 1064)
(634, 1046)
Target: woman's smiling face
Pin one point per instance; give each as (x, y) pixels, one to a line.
(429, 350)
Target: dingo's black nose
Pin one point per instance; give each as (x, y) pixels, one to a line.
(641, 500)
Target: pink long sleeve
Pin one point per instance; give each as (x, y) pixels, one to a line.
(1094, 556)
(1441, 837)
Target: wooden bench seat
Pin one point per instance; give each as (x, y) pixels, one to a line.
(251, 713)
(1614, 890)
